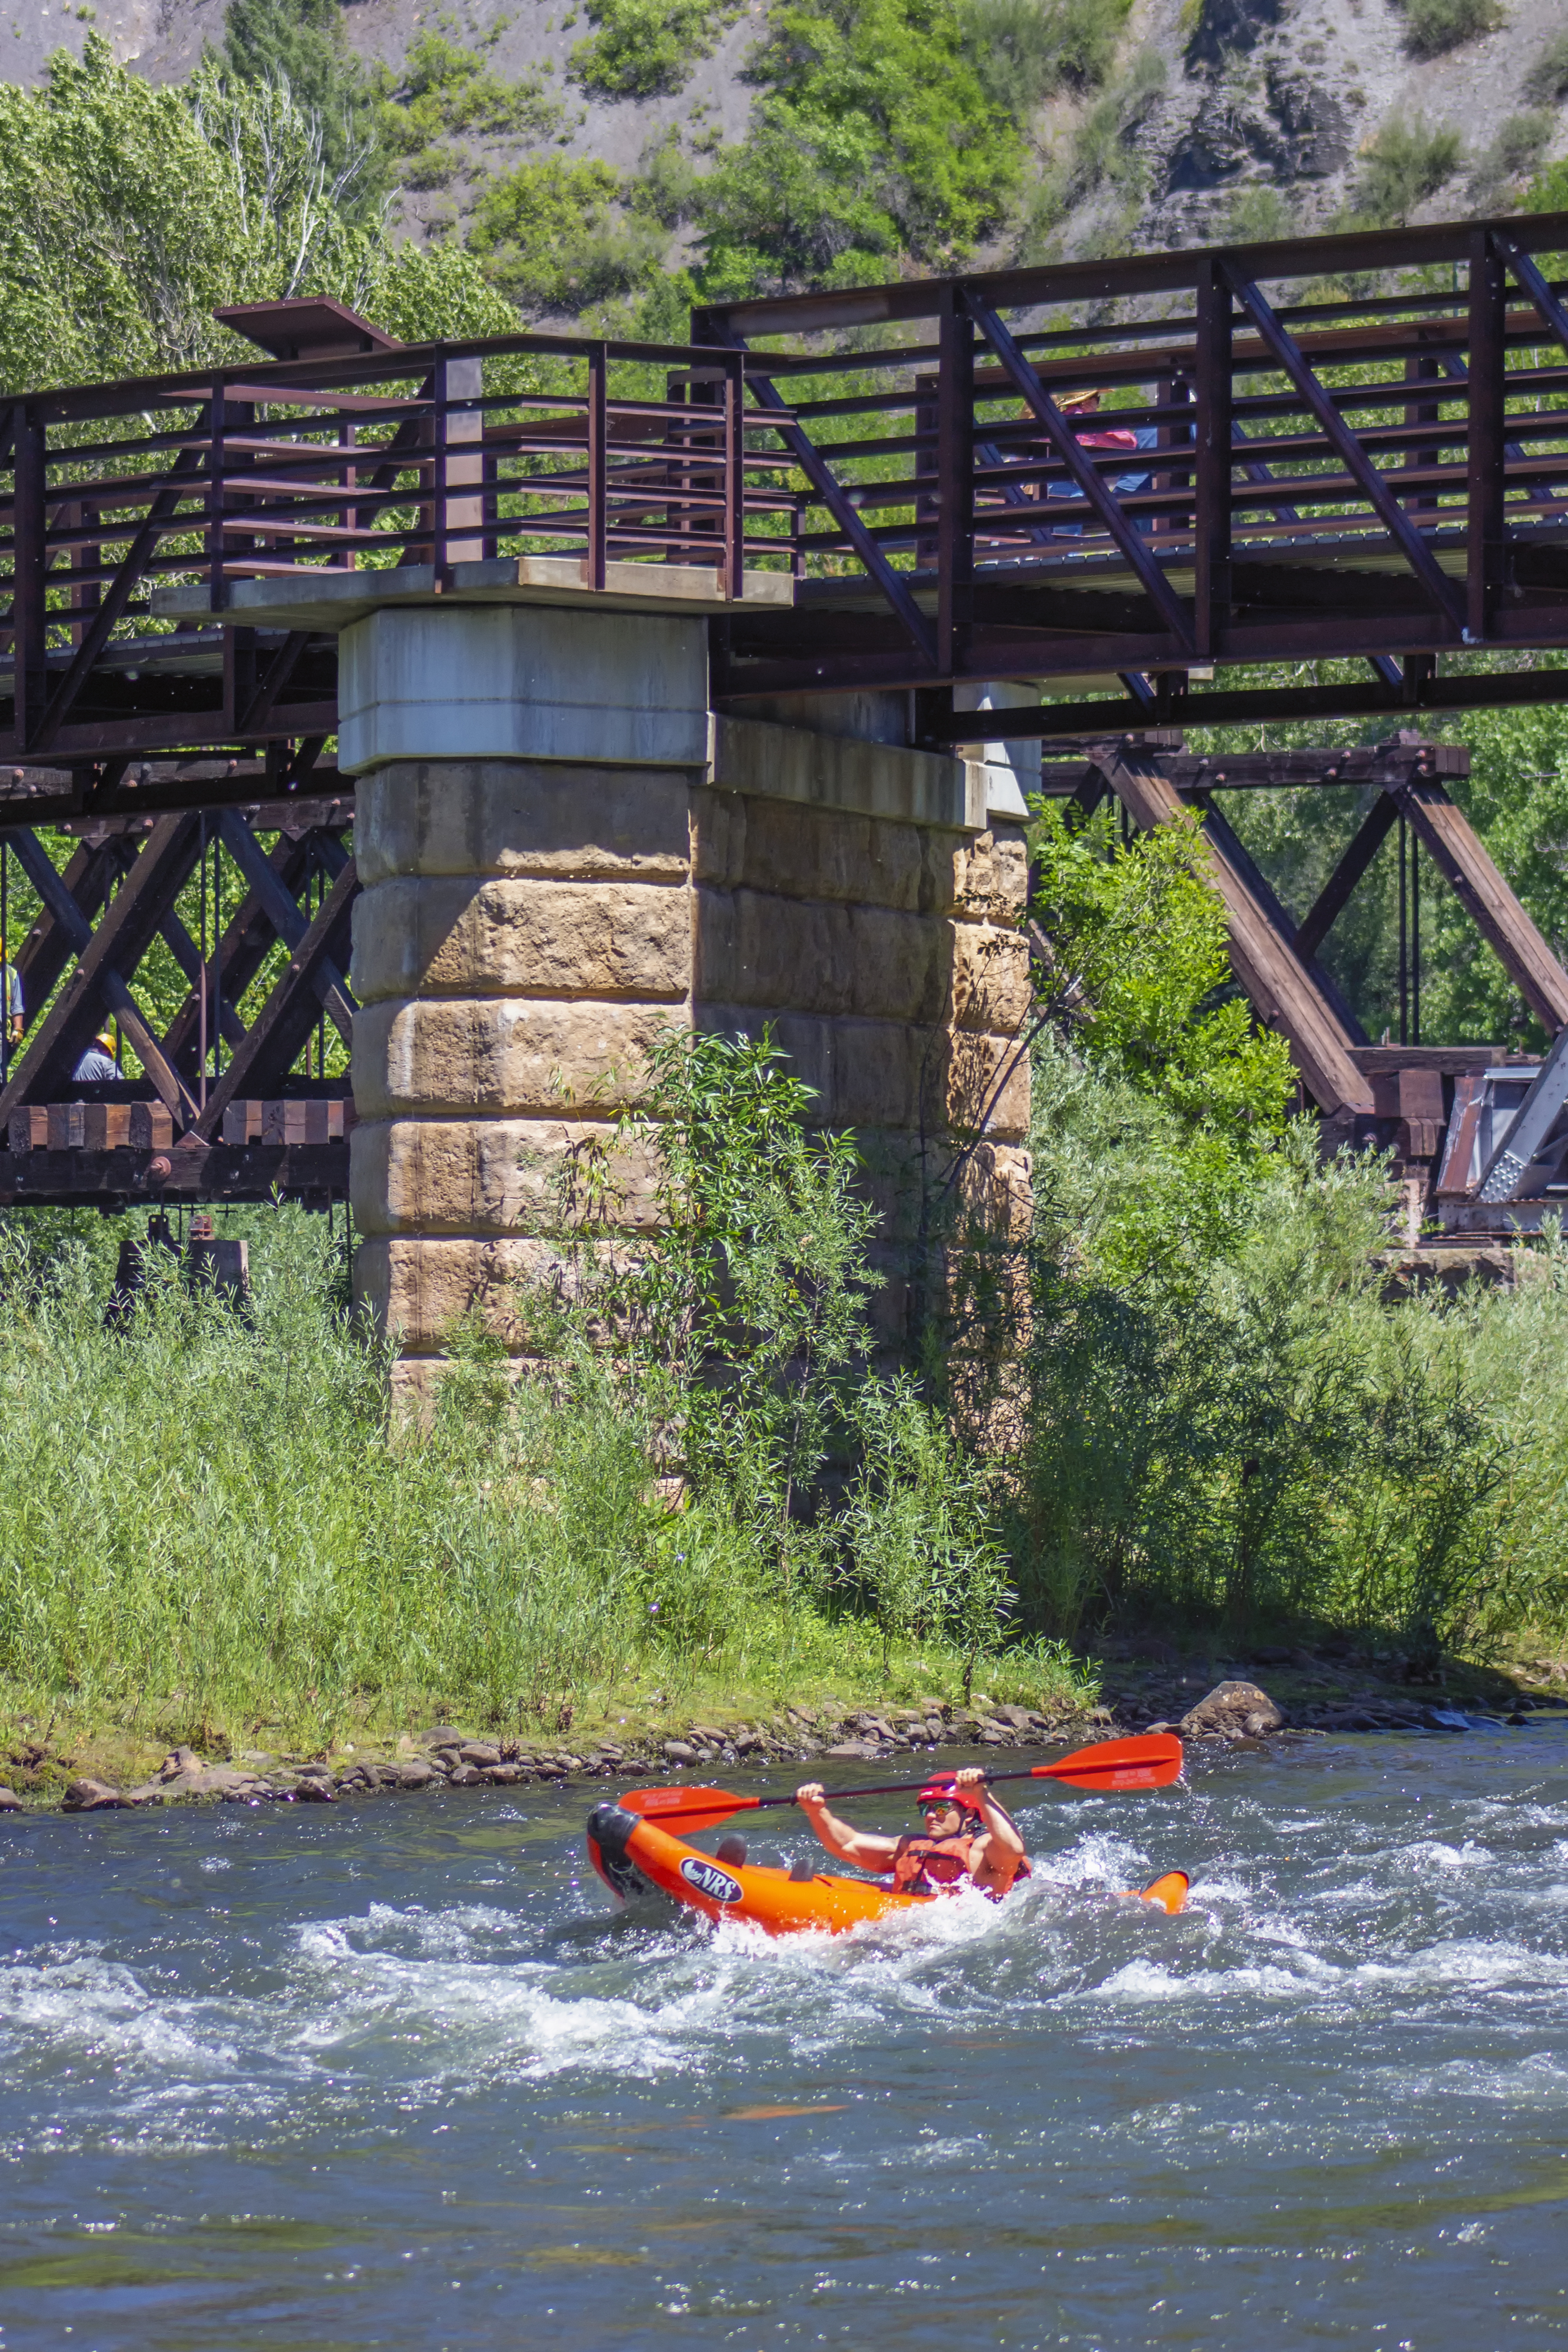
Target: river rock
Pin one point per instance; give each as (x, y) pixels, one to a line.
(679, 1751)
(479, 1752)
(1233, 1710)
(91, 1797)
(310, 1791)
(416, 1775)
(860, 1750)
(10, 1802)
(182, 1759)
(500, 1776)
(467, 1776)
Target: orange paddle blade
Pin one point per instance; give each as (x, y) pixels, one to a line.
(1151, 1762)
(1169, 1891)
(698, 1808)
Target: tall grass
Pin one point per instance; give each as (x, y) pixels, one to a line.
(209, 1526)
(212, 1511)
(1217, 1415)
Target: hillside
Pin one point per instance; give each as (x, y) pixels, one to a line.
(697, 132)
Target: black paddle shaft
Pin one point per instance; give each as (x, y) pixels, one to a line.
(891, 1789)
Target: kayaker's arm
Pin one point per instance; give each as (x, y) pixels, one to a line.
(843, 1843)
(1002, 1850)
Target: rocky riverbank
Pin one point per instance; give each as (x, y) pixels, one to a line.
(1308, 1697)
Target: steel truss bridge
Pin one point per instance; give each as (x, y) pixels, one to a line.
(1346, 451)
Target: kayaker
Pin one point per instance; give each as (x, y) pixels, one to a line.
(969, 1839)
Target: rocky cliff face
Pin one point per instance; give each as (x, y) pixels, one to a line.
(1223, 118)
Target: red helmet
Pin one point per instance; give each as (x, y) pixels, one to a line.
(942, 1791)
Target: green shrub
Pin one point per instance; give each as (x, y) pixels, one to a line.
(874, 135)
(1024, 49)
(646, 47)
(1433, 25)
(1407, 161)
(553, 236)
(1547, 80)
(1515, 149)
(445, 90)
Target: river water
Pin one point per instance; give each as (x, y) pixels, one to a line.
(393, 2075)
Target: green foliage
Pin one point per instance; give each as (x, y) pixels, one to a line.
(1548, 78)
(1549, 190)
(302, 45)
(746, 1306)
(1407, 161)
(128, 214)
(1433, 25)
(874, 137)
(1265, 1445)
(646, 47)
(1139, 976)
(444, 91)
(1260, 214)
(283, 1542)
(1024, 49)
(1515, 150)
(550, 235)
(921, 1527)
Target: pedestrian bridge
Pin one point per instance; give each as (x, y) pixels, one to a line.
(1347, 449)
(592, 685)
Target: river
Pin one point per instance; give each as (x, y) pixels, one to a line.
(392, 2075)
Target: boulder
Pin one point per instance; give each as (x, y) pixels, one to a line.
(10, 1802)
(480, 1751)
(1233, 1710)
(501, 1776)
(679, 1751)
(91, 1797)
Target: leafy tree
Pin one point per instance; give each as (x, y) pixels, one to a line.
(302, 45)
(645, 47)
(554, 235)
(128, 214)
(1140, 975)
(875, 137)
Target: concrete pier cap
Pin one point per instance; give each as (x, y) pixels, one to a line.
(562, 849)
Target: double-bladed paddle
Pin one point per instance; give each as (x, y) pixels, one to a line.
(1151, 1762)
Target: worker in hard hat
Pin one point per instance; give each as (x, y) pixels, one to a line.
(100, 1064)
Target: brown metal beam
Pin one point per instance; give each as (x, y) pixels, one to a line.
(1463, 862)
(291, 1010)
(1282, 991)
(118, 944)
(1370, 837)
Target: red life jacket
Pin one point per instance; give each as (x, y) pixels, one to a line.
(931, 1865)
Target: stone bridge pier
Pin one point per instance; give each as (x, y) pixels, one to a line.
(562, 847)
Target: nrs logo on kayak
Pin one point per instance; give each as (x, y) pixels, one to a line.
(710, 1880)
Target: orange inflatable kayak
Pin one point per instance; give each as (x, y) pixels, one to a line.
(634, 1857)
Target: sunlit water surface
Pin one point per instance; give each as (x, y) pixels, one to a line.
(393, 2075)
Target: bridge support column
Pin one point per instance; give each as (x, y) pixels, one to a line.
(561, 851)
(524, 926)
